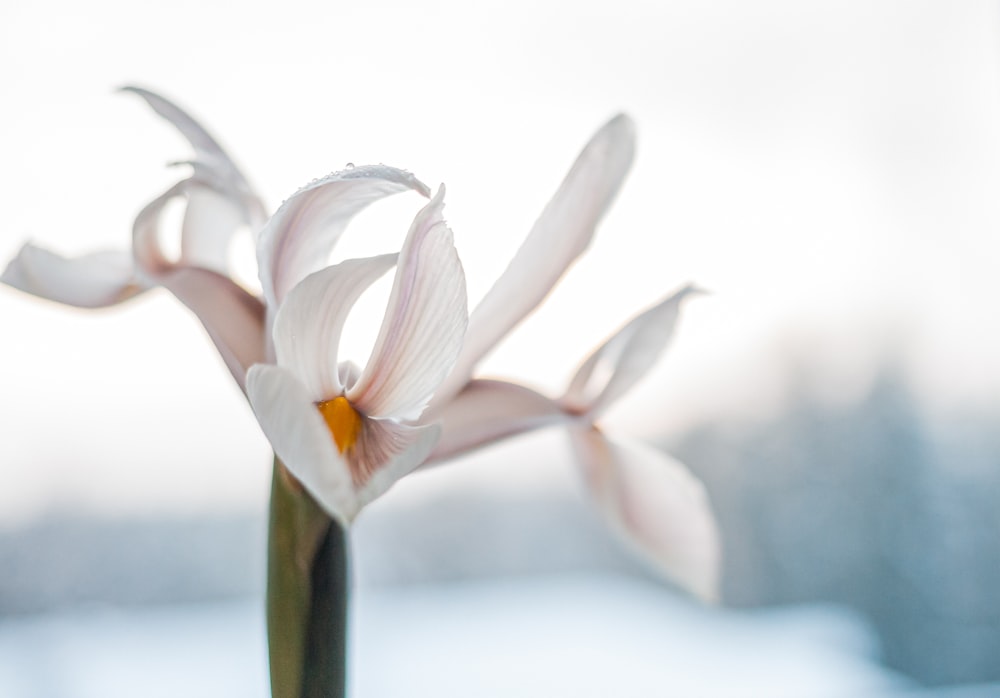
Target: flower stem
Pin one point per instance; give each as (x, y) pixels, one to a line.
(307, 585)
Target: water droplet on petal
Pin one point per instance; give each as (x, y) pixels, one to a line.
(349, 166)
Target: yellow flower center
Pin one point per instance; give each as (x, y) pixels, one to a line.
(342, 420)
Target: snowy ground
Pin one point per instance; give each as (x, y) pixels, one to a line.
(556, 636)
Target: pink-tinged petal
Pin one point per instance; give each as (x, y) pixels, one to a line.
(559, 236)
(309, 323)
(94, 280)
(487, 411)
(611, 370)
(301, 439)
(210, 222)
(233, 317)
(424, 323)
(301, 234)
(657, 505)
(146, 246)
(385, 452)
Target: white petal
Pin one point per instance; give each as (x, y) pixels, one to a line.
(393, 450)
(233, 317)
(424, 323)
(611, 370)
(309, 323)
(210, 222)
(301, 439)
(559, 236)
(657, 505)
(146, 246)
(300, 236)
(214, 170)
(94, 280)
(487, 411)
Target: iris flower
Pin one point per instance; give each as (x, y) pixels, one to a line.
(348, 434)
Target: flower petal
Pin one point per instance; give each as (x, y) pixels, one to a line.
(388, 451)
(611, 370)
(220, 199)
(659, 507)
(233, 317)
(94, 280)
(487, 411)
(424, 323)
(559, 236)
(309, 323)
(300, 235)
(301, 440)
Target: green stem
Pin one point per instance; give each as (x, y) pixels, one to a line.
(307, 585)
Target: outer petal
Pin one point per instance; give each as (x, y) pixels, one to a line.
(424, 323)
(301, 439)
(658, 506)
(233, 317)
(390, 451)
(299, 237)
(309, 323)
(487, 411)
(220, 199)
(621, 361)
(95, 280)
(559, 236)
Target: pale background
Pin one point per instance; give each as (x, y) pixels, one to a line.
(828, 171)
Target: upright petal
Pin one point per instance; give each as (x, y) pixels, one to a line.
(301, 439)
(659, 507)
(487, 411)
(621, 361)
(211, 220)
(559, 236)
(94, 280)
(424, 323)
(309, 323)
(300, 235)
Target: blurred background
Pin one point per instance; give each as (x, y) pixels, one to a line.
(828, 171)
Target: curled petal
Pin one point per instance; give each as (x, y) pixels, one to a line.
(657, 505)
(210, 222)
(487, 411)
(94, 280)
(611, 370)
(309, 323)
(559, 236)
(301, 440)
(424, 323)
(299, 237)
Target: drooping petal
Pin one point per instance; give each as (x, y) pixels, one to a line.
(487, 411)
(611, 370)
(424, 323)
(657, 505)
(301, 440)
(559, 236)
(309, 323)
(299, 237)
(94, 280)
(233, 317)
(386, 452)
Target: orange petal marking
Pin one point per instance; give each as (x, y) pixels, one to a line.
(342, 420)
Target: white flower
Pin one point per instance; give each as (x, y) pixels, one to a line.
(348, 435)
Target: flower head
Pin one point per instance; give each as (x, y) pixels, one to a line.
(348, 434)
